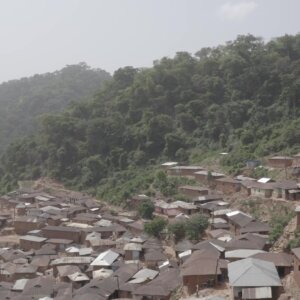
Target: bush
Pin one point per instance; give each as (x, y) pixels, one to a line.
(146, 210)
(278, 224)
(156, 226)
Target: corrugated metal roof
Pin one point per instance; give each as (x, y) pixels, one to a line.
(78, 276)
(72, 260)
(252, 272)
(105, 258)
(32, 238)
(242, 253)
(145, 273)
(19, 284)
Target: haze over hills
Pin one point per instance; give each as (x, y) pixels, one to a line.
(242, 98)
(23, 101)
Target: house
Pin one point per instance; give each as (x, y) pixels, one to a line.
(237, 220)
(59, 244)
(39, 287)
(25, 271)
(192, 192)
(153, 258)
(7, 273)
(208, 198)
(183, 246)
(64, 271)
(113, 230)
(24, 224)
(167, 209)
(207, 177)
(185, 207)
(101, 245)
(248, 241)
(296, 252)
(227, 185)
(184, 171)
(280, 161)
(104, 259)
(259, 189)
(28, 242)
(78, 279)
(62, 232)
(252, 278)
(41, 262)
(160, 287)
(209, 207)
(132, 251)
(200, 270)
(255, 227)
(286, 189)
(282, 261)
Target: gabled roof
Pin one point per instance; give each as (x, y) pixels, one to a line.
(105, 258)
(255, 226)
(201, 262)
(239, 218)
(251, 272)
(279, 259)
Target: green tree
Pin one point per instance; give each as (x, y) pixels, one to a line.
(196, 226)
(156, 226)
(178, 229)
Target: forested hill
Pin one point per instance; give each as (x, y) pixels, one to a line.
(22, 101)
(242, 98)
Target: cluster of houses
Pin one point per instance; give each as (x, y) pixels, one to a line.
(69, 246)
(264, 187)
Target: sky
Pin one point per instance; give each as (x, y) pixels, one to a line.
(39, 36)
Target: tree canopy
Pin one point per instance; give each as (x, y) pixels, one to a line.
(242, 98)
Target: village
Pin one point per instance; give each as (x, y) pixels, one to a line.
(65, 245)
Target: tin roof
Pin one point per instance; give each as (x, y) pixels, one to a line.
(251, 272)
(105, 258)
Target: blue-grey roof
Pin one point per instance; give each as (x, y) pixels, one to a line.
(251, 272)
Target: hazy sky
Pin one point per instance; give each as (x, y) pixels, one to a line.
(38, 36)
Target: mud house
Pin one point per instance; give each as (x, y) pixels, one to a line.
(192, 192)
(280, 161)
(207, 177)
(287, 189)
(25, 224)
(200, 270)
(227, 185)
(28, 242)
(62, 232)
(259, 189)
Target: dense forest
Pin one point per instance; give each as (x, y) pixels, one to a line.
(242, 98)
(23, 101)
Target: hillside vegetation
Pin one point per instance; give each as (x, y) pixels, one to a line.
(242, 98)
(23, 101)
